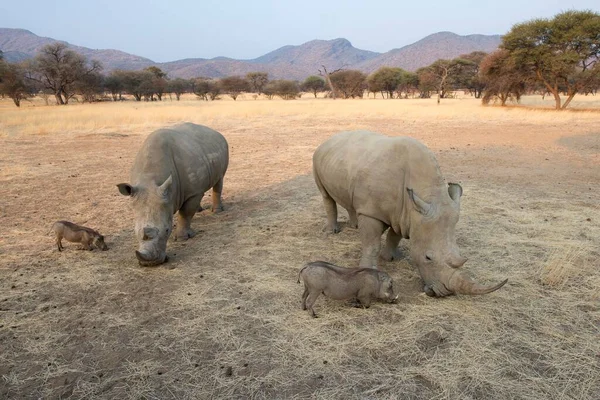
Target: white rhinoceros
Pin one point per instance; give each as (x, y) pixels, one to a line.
(170, 174)
(395, 182)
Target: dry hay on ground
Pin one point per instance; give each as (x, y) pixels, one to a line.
(226, 321)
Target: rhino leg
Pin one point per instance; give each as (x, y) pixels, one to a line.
(184, 218)
(352, 219)
(390, 251)
(370, 230)
(217, 206)
(331, 210)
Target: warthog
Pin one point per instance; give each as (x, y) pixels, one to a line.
(77, 234)
(341, 283)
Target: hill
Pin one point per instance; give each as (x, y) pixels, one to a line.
(287, 62)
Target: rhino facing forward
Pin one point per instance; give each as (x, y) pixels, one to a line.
(171, 172)
(395, 182)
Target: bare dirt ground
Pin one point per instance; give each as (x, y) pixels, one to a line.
(225, 321)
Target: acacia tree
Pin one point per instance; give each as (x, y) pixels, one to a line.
(562, 53)
(385, 80)
(114, 84)
(157, 83)
(234, 86)
(408, 84)
(12, 82)
(257, 81)
(286, 89)
(467, 75)
(178, 86)
(503, 78)
(314, 84)
(57, 68)
(349, 82)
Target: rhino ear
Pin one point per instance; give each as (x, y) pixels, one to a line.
(421, 205)
(455, 191)
(165, 188)
(126, 189)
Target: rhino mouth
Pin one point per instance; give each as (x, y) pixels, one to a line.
(147, 260)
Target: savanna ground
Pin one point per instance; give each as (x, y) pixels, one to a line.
(222, 318)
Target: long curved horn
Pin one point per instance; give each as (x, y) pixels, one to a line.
(461, 283)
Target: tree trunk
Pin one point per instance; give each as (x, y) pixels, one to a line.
(556, 99)
(17, 101)
(571, 94)
(59, 99)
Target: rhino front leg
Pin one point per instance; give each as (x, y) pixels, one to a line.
(184, 218)
(370, 230)
(390, 251)
(217, 206)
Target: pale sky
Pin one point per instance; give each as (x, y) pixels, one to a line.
(171, 30)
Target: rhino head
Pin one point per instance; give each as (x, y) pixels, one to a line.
(433, 245)
(153, 214)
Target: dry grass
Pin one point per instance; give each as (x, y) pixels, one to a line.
(95, 325)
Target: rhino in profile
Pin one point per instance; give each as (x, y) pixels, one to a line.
(395, 183)
(170, 174)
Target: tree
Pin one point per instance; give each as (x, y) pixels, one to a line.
(327, 75)
(385, 80)
(467, 76)
(136, 83)
(234, 85)
(503, 78)
(57, 68)
(178, 86)
(562, 53)
(408, 85)
(157, 84)
(114, 84)
(287, 90)
(427, 82)
(349, 82)
(90, 87)
(257, 81)
(313, 84)
(441, 73)
(12, 82)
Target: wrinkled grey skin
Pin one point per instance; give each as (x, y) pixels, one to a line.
(71, 232)
(395, 183)
(170, 174)
(341, 283)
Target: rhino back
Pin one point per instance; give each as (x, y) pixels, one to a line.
(195, 156)
(370, 172)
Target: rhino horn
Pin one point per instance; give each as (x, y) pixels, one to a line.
(461, 283)
(455, 260)
(421, 205)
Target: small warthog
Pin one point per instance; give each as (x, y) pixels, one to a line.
(341, 283)
(77, 234)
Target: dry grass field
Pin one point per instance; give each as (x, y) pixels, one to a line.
(222, 319)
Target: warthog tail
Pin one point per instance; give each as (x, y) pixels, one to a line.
(300, 273)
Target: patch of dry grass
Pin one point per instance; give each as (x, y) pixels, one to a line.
(225, 322)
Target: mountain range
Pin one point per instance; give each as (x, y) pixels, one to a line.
(287, 62)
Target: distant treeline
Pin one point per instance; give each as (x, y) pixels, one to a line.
(557, 56)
